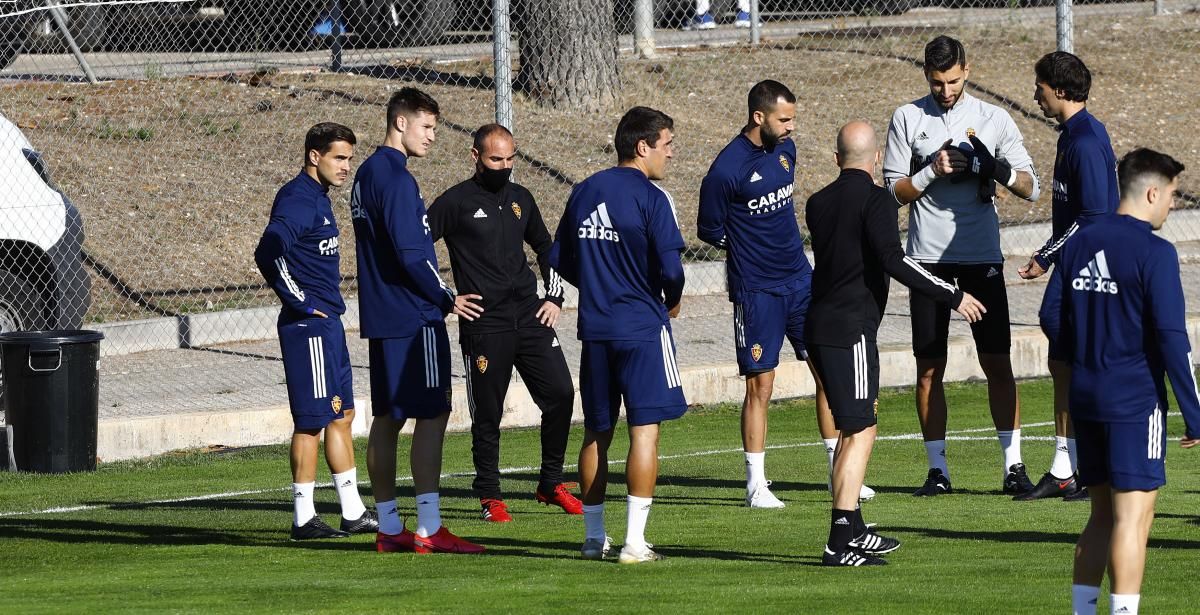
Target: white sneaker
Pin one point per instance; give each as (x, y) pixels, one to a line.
(865, 494)
(632, 555)
(761, 497)
(596, 549)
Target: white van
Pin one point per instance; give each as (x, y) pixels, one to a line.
(43, 283)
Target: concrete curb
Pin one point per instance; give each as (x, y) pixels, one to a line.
(703, 278)
(126, 438)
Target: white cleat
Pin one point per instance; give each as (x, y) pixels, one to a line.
(596, 549)
(866, 494)
(761, 497)
(633, 555)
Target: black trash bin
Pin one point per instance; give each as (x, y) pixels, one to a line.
(50, 394)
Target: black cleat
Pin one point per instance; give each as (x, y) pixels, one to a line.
(1079, 494)
(851, 557)
(316, 529)
(1017, 482)
(1049, 487)
(871, 543)
(366, 524)
(935, 484)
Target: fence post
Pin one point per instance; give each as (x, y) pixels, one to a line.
(56, 13)
(1065, 21)
(501, 41)
(1158, 8)
(335, 47)
(755, 29)
(643, 28)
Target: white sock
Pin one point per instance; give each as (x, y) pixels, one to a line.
(1124, 604)
(702, 6)
(593, 521)
(1010, 443)
(1074, 457)
(935, 452)
(744, 6)
(303, 508)
(346, 484)
(635, 529)
(1083, 599)
(429, 514)
(389, 517)
(830, 449)
(756, 473)
(1060, 468)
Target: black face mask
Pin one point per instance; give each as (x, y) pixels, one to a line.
(494, 179)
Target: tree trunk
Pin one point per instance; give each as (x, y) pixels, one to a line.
(568, 53)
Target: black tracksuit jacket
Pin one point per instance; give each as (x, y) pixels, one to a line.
(486, 233)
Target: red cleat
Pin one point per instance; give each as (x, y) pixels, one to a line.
(445, 542)
(394, 543)
(494, 510)
(563, 499)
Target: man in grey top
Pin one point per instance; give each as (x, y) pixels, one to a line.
(946, 153)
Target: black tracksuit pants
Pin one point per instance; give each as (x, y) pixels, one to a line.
(490, 359)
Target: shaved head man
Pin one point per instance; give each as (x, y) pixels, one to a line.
(856, 244)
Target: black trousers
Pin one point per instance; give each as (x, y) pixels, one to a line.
(538, 358)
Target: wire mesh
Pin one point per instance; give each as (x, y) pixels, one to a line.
(135, 203)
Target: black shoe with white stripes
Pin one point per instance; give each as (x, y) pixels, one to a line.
(851, 557)
(935, 484)
(871, 543)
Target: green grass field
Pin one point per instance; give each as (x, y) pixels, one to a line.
(148, 539)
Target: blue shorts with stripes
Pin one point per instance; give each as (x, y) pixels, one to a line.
(1127, 455)
(316, 366)
(763, 318)
(645, 374)
(410, 376)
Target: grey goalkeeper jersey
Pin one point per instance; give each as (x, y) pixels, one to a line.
(951, 223)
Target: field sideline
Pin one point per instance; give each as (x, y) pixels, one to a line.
(195, 532)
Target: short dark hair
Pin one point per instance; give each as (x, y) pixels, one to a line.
(639, 124)
(1065, 71)
(944, 53)
(1144, 163)
(487, 130)
(321, 137)
(765, 95)
(409, 101)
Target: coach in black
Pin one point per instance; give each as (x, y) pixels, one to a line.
(486, 222)
(856, 243)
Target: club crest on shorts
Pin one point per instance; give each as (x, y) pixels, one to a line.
(516, 210)
(336, 404)
(756, 352)
(481, 364)
(876, 408)
(783, 162)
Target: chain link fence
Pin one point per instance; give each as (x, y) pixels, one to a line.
(141, 153)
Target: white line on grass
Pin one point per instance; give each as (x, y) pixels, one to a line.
(950, 435)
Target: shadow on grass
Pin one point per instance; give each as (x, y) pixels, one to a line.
(82, 532)
(1192, 519)
(1028, 536)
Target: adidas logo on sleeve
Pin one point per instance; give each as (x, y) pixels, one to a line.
(1095, 277)
(599, 226)
(481, 213)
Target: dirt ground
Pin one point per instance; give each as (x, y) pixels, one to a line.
(175, 177)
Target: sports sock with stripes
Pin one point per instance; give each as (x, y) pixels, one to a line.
(841, 528)
(346, 484)
(303, 508)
